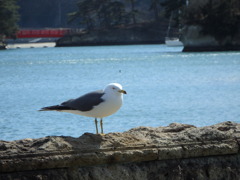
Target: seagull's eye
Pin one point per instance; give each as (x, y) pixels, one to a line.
(113, 88)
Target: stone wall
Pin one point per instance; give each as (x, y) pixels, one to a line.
(177, 151)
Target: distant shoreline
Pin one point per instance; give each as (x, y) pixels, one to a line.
(31, 45)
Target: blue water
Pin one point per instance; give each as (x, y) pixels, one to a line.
(164, 86)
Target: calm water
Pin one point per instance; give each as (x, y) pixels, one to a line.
(164, 85)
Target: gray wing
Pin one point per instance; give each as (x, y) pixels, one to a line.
(85, 102)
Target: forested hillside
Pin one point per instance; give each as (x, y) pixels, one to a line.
(55, 13)
(45, 13)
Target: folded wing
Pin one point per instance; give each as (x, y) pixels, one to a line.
(83, 103)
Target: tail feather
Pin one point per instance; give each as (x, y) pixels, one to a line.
(53, 108)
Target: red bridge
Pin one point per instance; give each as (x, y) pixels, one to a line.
(43, 33)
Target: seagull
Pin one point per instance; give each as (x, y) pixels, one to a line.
(96, 104)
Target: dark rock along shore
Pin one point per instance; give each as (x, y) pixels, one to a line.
(148, 33)
(195, 41)
(178, 151)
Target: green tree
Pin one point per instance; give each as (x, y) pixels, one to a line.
(174, 10)
(111, 14)
(104, 13)
(118, 13)
(133, 10)
(99, 13)
(8, 18)
(219, 18)
(155, 7)
(173, 6)
(86, 11)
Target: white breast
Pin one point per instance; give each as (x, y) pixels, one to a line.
(111, 104)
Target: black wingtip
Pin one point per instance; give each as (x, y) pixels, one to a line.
(44, 109)
(55, 108)
(50, 108)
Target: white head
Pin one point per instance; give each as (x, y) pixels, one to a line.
(114, 88)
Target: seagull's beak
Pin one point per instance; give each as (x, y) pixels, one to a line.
(122, 91)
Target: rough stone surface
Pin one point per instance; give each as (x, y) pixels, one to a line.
(178, 151)
(194, 40)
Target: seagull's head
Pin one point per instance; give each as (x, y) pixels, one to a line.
(114, 88)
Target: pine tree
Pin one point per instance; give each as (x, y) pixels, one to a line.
(8, 18)
(99, 13)
(219, 18)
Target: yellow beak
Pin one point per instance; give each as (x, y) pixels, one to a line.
(122, 91)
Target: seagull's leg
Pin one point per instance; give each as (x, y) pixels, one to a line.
(101, 124)
(96, 125)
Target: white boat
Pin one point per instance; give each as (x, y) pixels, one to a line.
(173, 41)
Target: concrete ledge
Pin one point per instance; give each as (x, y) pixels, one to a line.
(73, 157)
